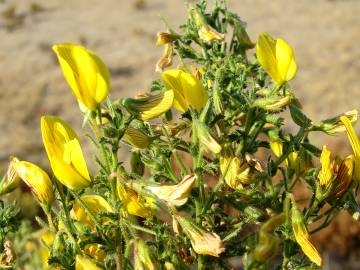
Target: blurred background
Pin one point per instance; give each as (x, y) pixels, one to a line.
(325, 35)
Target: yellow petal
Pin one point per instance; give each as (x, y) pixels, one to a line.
(85, 73)
(326, 172)
(95, 204)
(150, 105)
(286, 64)
(37, 179)
(266, 54)
(188, 90)
(355, 144)
(64, 152)
(83, 263)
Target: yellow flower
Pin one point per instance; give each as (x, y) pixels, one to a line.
(175, 195)
(11, 179)
(96, 251)
(95, 204)
(86, 74)
(302, 236)
(276, 57)
(143, 257)
(136, 137)
(83, 263)
(203, 242)
(355, 144)
(276, 146)
(132, 203)
(64, 152)
(150, 105)
(343, 177)
(188, 90)
(37, 179)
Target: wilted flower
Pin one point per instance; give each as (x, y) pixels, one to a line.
(276, 57)
(165, 59)
(132, 202)
(335, 176)
(268, 243)
(175, 195)
(86, 74)
(83, 263)
(11, 179)
(143, 257)
(136, 137)
(164, 38)
(95, 204)
(201, 132)
(205, 31)
(334, 125)
(150, 105)
(302, 236)
(37, 179)
(64, 152)
(203, 242)
(355, 144)
(188, 90)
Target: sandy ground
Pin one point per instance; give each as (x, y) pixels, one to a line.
(324, 34)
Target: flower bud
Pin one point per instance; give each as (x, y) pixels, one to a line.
(37, 180)
(203, 242)
(83, 263)
(165, 59)
(150, 105)
(201, 132)
(136, 137)
(299, 117)
(334, 125)
(188, 90)
(276, 57)
(302, 236)
(326, 173)
(11, 179)
(95, 205)
(86, 74)
(143, 257)
(64, 152)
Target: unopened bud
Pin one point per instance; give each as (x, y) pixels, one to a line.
(11, 179)
(273, 103)
(137, 166)
(164, 38)
(136, 137)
